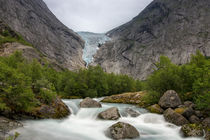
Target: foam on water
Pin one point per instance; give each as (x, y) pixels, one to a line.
(84, 125)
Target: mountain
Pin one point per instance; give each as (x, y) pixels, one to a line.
(37, 24)
(174, 28)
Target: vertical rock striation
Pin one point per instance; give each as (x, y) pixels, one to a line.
(174, 28)
(37, 24)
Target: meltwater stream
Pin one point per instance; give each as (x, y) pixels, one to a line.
(84, 125)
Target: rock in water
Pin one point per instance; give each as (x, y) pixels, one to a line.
(7, 125)
(132, 112)
(155, 109)
(89, 103)
(170, 99)
(110, 114)
(57, 109)
(175, 118)
(192, 130)
(122, 130)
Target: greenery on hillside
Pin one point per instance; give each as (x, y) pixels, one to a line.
(8, 36)
(191, 81)
(25, 85)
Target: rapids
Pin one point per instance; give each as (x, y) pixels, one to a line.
(83, 124)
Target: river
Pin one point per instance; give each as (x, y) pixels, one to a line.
(83, 124)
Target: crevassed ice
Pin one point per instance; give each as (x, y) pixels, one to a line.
(92, 40)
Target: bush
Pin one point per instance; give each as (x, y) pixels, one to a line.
(193, 78)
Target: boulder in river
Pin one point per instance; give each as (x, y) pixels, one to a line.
(110, 114)
(175, 118)
(132, 112)
(57, 109)
(123, 130)
(155, 109)
(192, 130)
(89, 103)
(170, 99)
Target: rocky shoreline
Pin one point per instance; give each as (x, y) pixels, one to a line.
(193, 122)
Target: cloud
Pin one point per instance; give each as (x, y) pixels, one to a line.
(95, 15)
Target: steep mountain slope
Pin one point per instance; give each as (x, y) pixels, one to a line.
(34, 21)
(175, 28)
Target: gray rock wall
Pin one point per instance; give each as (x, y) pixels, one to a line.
(37, 24)
(174, 28)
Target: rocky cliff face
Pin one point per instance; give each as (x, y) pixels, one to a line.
(175, 28)
(34, 21)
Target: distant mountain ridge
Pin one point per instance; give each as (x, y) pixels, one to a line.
(174, 28)
(37, 24)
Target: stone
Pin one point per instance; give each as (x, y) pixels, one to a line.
(171, 116)
(189, 104)
(194, 119)
(206, 122)
(7, 125)
(123, 130)
(198, 113)
(187, 112)
(170, 99)
(89, 103)
(132, 112)
(110, 114)
(57, 109)
(192, 130)
(155, 109)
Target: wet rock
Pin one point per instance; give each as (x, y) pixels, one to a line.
(110, 114)
(155, 109)
(7, 125)
(57, 109)
(194, 119)
(132, 112)
(89, 103)
(122, 130)
(170, 99)
(175, 118)
(192, 130)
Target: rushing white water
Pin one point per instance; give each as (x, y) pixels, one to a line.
(84, 125)
(92, 40)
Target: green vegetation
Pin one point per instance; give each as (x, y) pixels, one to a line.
(24, 85)
(191, 81)
(7, 35)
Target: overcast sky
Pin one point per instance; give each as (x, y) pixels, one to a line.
(95, 15)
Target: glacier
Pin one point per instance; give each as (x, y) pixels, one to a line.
(92, 43)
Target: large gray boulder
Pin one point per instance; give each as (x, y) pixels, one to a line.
(192, 130)
(171, 116)
(122, 130)
(110, 114)
(170, 99)
(89, 103)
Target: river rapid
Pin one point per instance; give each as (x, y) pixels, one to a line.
(83, 124)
